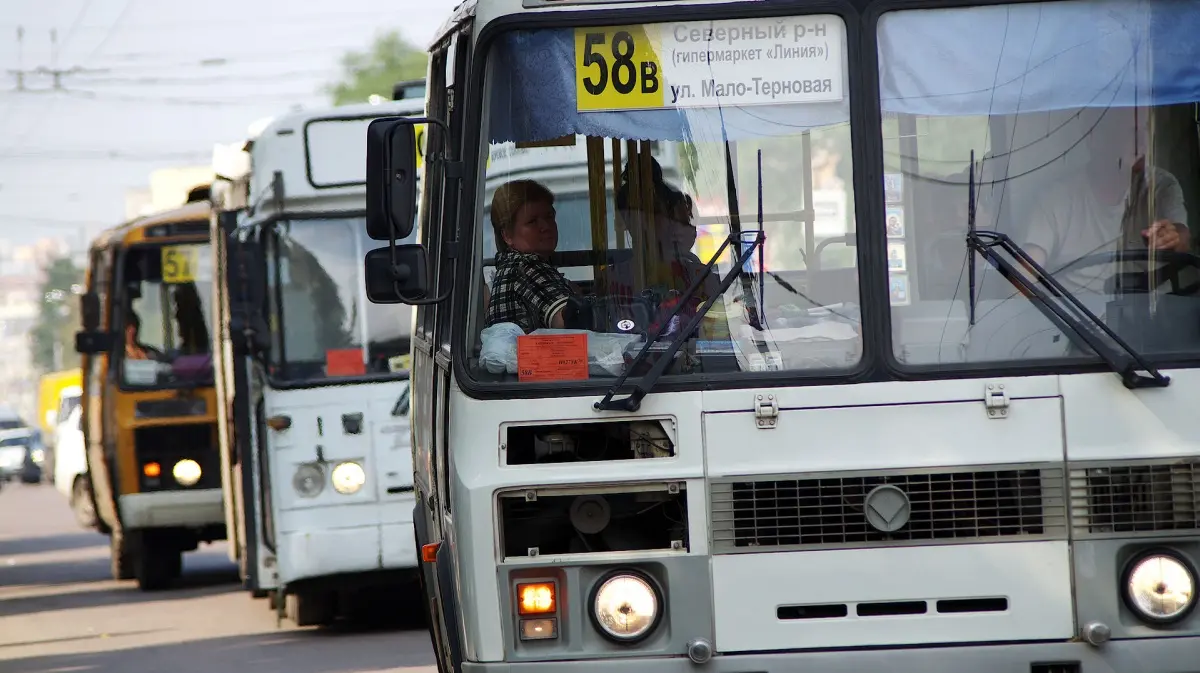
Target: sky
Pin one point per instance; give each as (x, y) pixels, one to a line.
(154, 84)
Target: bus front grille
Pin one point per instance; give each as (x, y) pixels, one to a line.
(1119, 499)
(922, 507)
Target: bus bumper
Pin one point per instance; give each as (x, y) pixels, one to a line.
(172, 509)
(311, 554)
(1150, 655)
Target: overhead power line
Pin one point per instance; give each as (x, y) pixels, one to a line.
(201, 80)
(104, 154)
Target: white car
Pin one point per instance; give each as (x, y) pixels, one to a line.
(70, 467)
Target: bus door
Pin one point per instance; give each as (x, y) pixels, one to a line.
(99, 421)
(243, 333)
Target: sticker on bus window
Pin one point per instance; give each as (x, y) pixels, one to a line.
(344, 362)
(400, 363)
(735, 62)
(893, 187)
(895, 222)
(552, 357)
(898, 289)
(180, 263)
(896, 257)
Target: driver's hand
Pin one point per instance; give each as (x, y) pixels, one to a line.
(1164, 235)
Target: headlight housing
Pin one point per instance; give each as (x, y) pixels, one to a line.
(1160, 587)
(186, 472)
(309, 480)
(348, 477)
(626, 606)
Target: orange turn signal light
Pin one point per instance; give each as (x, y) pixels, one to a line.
(536, 599)
(152, 469)
(279, 423)
(429, 551)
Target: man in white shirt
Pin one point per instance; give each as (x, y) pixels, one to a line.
(1114, 204)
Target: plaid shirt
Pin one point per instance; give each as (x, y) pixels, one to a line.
(526, 290)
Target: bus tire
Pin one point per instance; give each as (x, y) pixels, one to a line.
(156, 565)
(81, 502)
(121, 558)
(311, 608)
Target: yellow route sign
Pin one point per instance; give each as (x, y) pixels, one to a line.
(617, 68)
(179, 263)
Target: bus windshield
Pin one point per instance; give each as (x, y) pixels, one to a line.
(166, 339)
(620, 160)
(322, 327)
(615, 176)
(1081, 120)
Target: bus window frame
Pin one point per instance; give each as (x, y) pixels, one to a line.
(265, 230)
(878, 361)
(117, 320)
(868, 199)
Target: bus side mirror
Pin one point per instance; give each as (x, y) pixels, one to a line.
(93, 342)
(399, 283)
(247, 283)
(89, 310)
(391, 178)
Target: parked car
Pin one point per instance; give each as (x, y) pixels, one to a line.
(70, 467)
(22, 455)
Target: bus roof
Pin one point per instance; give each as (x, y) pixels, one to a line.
(485, 11)
(158, 227)
(321, 155)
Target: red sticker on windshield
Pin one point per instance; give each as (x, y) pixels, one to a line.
(552, 357)
(345, 362)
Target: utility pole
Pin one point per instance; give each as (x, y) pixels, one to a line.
(52, 71)
(19, 73)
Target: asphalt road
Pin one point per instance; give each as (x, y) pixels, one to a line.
(60, 611)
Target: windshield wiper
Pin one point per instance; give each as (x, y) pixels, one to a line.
(1084, 328)
(642, 388)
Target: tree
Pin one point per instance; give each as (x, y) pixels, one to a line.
(53, 336)
(388, 60)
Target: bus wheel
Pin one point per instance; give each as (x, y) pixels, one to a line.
(156, 565)
(122, 558)
(311, 609)
(81, 503)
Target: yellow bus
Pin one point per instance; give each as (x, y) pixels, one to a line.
(50, 389)
(149, 410)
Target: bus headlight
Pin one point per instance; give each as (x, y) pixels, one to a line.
(186, 472)
(309, 480)
(348, 478)
(1160, 588)
(625, 607)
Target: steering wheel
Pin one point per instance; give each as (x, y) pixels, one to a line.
(1170, 262)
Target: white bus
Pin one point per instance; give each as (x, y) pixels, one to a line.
(313, 378)
(959, 436)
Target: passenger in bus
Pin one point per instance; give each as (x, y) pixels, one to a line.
(526, 290)
(1116, 203)
(189, 317)
(134, 349)
(672, 265)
